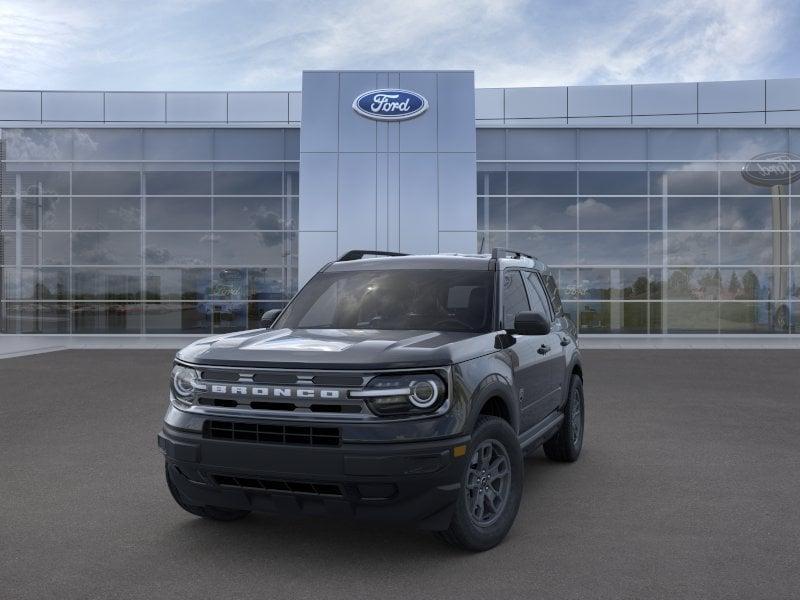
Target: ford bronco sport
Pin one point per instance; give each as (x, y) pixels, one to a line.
(391, 387)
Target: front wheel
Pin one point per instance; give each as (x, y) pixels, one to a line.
(491, 488)
(566, 444)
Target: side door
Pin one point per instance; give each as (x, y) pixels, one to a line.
(554, 355)
(531, 376)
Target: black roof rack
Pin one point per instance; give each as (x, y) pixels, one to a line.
(359, 254)
(504, 252)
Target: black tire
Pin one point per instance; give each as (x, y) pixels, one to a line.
(565, 445)
(216, 513)
(472, 532)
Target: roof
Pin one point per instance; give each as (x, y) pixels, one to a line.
(457, 261)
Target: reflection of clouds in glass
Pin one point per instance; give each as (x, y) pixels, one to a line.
(38, 144)
(590, 207)
(83, 143)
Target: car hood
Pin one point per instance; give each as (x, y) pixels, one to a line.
(337, 348)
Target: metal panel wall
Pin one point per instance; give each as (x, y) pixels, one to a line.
(401, 186)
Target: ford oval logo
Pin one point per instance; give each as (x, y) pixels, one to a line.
(772, 168)
(390, 105)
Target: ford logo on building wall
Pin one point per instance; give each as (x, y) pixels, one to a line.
(390, 105)
(772, 168)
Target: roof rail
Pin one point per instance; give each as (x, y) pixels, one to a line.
(359, 254)
(504, 252)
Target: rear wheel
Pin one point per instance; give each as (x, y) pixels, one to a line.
(566, 444)
(217, 513)
(491, 488)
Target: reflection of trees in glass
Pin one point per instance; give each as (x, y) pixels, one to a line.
(693, 284)
(750, 286)
(637, 291)
(734, 287)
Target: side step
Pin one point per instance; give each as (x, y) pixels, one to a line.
(539, 432)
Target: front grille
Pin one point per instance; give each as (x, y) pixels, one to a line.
(272, 485)
(265, 433)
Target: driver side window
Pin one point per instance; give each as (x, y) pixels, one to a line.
(515, 299)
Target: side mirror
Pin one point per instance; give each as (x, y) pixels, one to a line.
(268, 318)
(531, 323)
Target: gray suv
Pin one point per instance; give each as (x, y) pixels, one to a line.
(391, 387)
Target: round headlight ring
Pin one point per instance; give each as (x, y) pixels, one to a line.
(183, 380)
(424, 393)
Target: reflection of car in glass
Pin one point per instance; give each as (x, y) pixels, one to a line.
(397, 387)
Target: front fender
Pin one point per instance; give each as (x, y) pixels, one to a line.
(471, 380)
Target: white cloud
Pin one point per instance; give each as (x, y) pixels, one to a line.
(210, 44)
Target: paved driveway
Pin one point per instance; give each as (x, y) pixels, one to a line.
(689, 486)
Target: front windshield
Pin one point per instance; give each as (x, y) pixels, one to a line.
(434, 300)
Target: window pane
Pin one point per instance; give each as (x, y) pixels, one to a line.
(552, 248)
(228, 316)
(106, 284)
(248, 182)
(541, 182)
(691, 317)
(542, 213)
(45, 317)
(251, 248)
(491, 213)
(682, 144)
(39, 249)
(178, 248)
(755, 283)
(248, 144)
(684, 183)
(541, 144)
(106, 213)
(751, 213)
(177, 284)
(178, 213)
(613, 248)
(744, 144)
(38, 144)
(536, 295)
(181, 183)
(693, 284)
(36, 183)
(177, 317)
(291, 144)
(613, 284)
(36, 284)
(45, 212)
(692, 249)
(753, 317)
(613, 317)
(492, 182)
(118, 183)
(732, 182)
(106, 318)
(612, 213)
(250, 284)
(613, 182)
(177, 144)
(248, 213)
(106, 248)
(612, 144)
(108, 144)
(692, 213)
(745, 248)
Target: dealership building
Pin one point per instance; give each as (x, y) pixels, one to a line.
(663, 208)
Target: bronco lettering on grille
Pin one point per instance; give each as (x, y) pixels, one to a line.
(277, 392)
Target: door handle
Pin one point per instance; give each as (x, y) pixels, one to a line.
(543, 349)
(565, 341)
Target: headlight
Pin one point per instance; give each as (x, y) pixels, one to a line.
(184, 382)
(403, 394)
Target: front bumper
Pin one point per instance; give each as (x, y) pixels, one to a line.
(413, 482)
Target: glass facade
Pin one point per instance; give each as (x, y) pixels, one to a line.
(194, 230)
(146, 230)
(651, 230)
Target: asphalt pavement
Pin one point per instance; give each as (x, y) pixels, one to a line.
(688, 487)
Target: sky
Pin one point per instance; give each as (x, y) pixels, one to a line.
(265, 45)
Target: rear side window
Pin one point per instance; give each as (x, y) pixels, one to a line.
(515, 299)
(555, 298)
